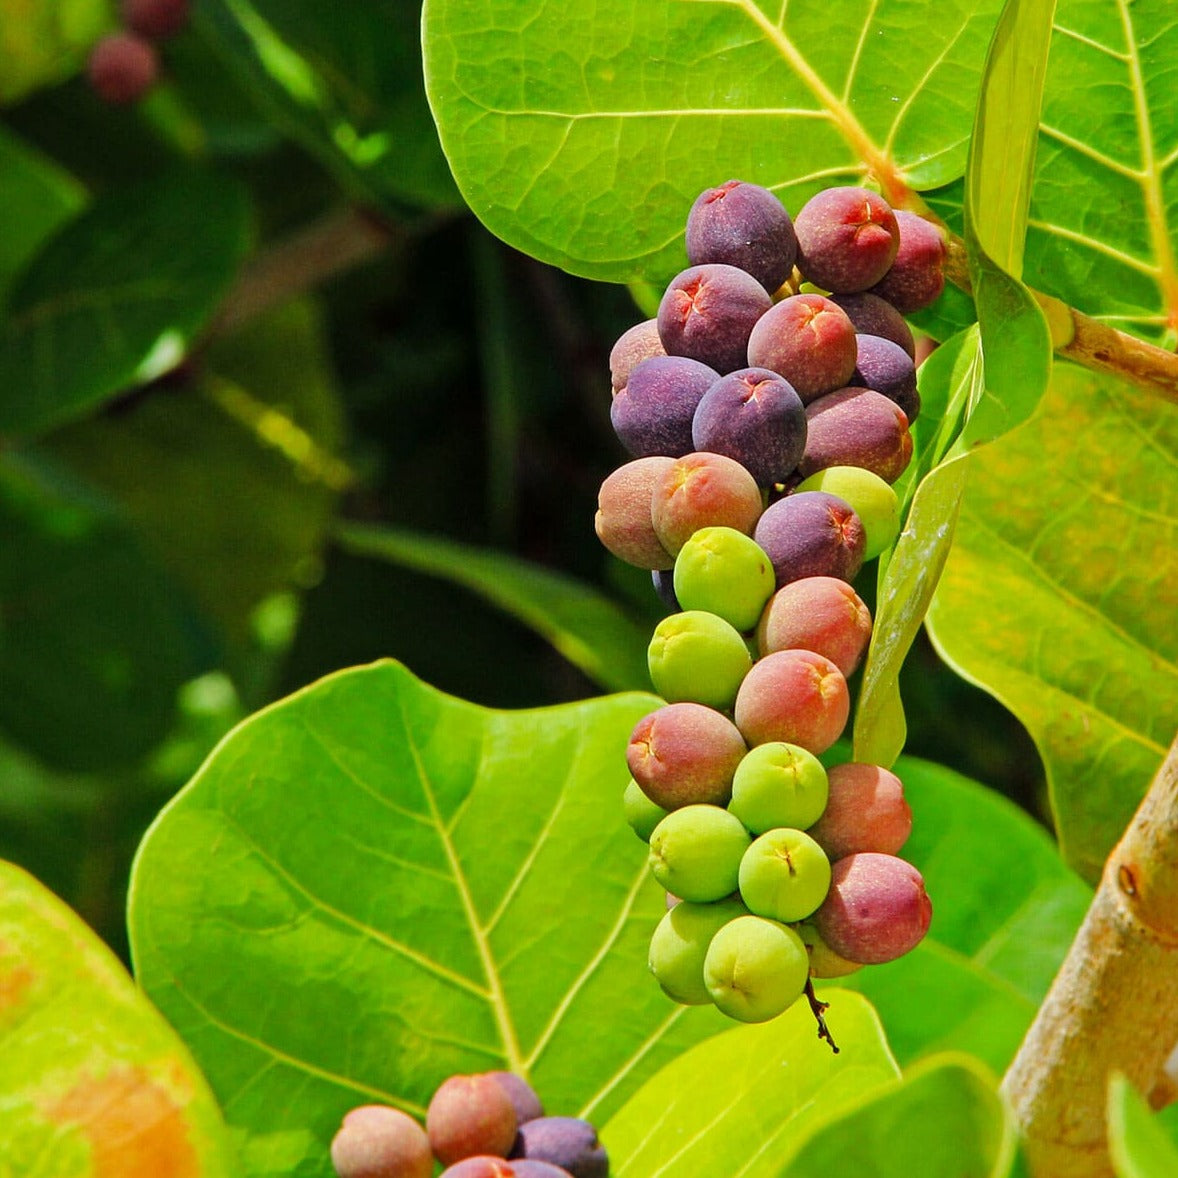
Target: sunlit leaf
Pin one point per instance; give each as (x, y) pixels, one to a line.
(371, 886)
(45, 41)
(591, 631)
(582, 136)
(1138, 1145)
(93, 1082)
(1058, 599)
(740, 1101)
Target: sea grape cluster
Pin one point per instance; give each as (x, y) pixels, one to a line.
(489, 1125)
(124, 65)
(766, 411)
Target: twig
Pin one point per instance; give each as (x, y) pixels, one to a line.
(818, 1009)
(1114, 1004)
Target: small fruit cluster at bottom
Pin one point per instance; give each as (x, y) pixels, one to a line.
(489, 1125)
(766, 410)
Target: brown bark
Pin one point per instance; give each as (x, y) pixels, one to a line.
(1114, 1004)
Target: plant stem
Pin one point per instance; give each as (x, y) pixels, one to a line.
(1114, 1003)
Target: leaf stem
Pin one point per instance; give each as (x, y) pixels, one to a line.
(1113, 1005)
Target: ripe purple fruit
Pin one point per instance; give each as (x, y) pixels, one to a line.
(871, 499)
(876, 910)
(155, 19)
(634, 345)
(885, 367)
(755, 417)
(375, 1141)
(122, 68)
(746, 226)
(809, 341)
(795, 696)
(865, 811)
(917, 275)
(811, 534)
(847, 239)
(685, 753)
(521, 1094)
(822, 614)
(652, 414)
(872, 315)
(708, 312)
(470, 1115)
(567, 1142)
(857, 427)
(623, 522)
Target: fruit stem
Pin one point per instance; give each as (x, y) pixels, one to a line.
(1087, 1028)
(818, 1009)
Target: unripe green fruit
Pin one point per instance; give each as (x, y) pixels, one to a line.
(642, 814)
(784, 875)
(824, 961)
(698, 657)
(778, 784)
(680, 944)
(695, 852)
(869, 497)
(755, 969)
(724, 572)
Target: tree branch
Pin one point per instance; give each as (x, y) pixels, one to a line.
(1114, 1004)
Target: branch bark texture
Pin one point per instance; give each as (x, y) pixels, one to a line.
(1114, 1004)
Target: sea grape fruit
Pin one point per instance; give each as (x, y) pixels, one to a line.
(824, 961)
(470, 1115)
(857, 427)
(778, 784)
(567, 1142)
(808, 340)
(876, 909)
(486, 1166)
(753, 416)
(794, 696)
(885, 367)
(917, 276)
(701, 490)
(623, 522)
(847, 239)
(746, 226)
(652, 413)
(708, 312)
(699, 657)
(755, 968)
(641, 813)
(634, 345)
(872, 315)
(680, 944)
(122, 67)
(811, 534)
(685, 753)
(375, 1141)
(865, 811)
(822, 614)
(521, 1094)
(154, 19)
(871, 499)
(724, 572)
(784, 875)
(695, 852)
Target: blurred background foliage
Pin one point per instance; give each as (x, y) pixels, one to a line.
(247, 328)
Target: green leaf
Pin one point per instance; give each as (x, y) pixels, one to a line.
(348, 90)
(232, 479)
(591, 631)
(46, 41)
(95, 640)
(78, 1040)
(36, 196)
(1138, 1145)
(945, 1120)
(582, 137)
(740, 1101)
(1102, 231)
(116, 297)
(1059, 594)
(371, 886)
(1000, 928)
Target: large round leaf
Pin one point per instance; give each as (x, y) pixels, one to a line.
(93, 1082)
(371, 886)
